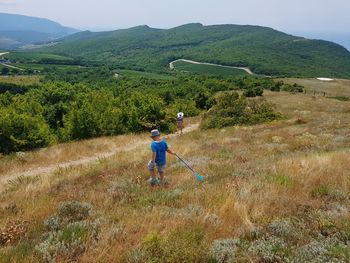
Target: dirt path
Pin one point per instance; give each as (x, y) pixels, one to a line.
(171, 65)
(7, 65)
(83, 161)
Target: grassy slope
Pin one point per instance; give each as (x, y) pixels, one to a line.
(34, 56)
(208, 69)
(295, 168)
(264, 50)
(142, 74)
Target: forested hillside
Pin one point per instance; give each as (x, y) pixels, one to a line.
(264, 50)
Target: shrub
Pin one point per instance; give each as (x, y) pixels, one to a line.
(67, 242)
(52, 223)
(326, 249)
(21, 131)
(271, 249)
(224, 250)
(68, 232)
(276, 87)
(74, 211)
(232, 109)
(292, 88)
(253, 92)
(281, 228)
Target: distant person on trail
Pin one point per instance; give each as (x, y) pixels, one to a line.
(159, 149)
(180, 122)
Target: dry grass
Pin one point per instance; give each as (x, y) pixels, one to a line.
(296, 167)
(70, 152)
(62, 153)
(20, 80)
(337, 87)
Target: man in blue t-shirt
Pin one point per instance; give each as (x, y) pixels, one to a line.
(159, 149)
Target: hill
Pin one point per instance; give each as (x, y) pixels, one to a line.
(263, 50)
(18, 30)
(274, 192)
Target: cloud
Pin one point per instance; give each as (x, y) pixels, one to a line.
(7, 2)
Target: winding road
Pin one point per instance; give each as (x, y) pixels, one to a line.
(172, 66)
(7, 65)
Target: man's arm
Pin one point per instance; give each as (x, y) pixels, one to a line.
(154, 155)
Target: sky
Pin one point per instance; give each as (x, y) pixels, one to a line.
(295, 16)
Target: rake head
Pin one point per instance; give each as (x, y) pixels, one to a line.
(199, 177)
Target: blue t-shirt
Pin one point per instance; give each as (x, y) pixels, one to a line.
(160, 148)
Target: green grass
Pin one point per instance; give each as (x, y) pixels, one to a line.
(208, 69)
(147, 75)
(36, 66)
(341, 98)
(33, 56)
(281, 180)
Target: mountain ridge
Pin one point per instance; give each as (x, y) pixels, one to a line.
(19, 30)
(264, 50)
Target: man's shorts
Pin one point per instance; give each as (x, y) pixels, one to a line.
(151, 167)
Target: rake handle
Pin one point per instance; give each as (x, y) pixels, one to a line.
(185, 163)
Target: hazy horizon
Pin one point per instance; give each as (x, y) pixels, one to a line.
(310, 19)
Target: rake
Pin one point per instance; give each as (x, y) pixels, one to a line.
(197, 175)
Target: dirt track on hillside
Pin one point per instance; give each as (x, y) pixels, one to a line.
(171, 65)
(83, 161)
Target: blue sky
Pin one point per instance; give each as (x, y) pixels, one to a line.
(295, 16)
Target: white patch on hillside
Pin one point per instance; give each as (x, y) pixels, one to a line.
(325, 79)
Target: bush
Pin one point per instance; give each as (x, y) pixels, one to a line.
(22, 132)
(74, 211)
(68, 242)
(68, 232)
(277, 86)
(271, 249)
(292, 88)
(232, 109)
(224, 250)
(253, 92)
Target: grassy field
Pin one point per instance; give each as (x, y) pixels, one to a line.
(148, 75)
(276, 192)
(41, 67)
(337, 87)
(32, 56)
(21, 80)
(208, 69)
